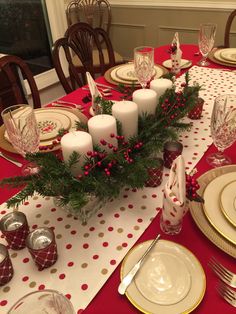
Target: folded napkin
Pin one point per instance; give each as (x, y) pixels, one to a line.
(94, 93)
(175, 193)
(176, 54)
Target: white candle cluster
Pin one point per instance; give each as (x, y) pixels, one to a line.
(160, 86)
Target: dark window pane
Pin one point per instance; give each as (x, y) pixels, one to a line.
(23, 32)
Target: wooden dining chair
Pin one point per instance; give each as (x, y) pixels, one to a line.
(13, 70)
(97, 13)
(228, 28)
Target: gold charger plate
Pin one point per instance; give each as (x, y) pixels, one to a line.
(8, 147)
(156, 286)
(228, 202)
(197, 212)
(216, 53)
(109, 79)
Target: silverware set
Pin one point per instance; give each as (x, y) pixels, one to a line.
(228, 279)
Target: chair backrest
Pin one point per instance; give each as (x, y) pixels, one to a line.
(97, 13)
(227, 29)
(81, 44)
(13, 70)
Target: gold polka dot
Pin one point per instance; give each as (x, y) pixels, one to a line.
(32, 284)
(38, 215)
(35, 197)
(69, 216)
(84, 223)
(119, 248)
(67, 226)
(102, 222)
(196, 145)
(47, 198)
(84, 265)
(194, 158)
(136, 228)
(144, 196)
(6, 289)
(53, 270)
(13, 255)
(122, 209)
(86, 235)
(151, 219)
(76, 218)
(101, 234)
(120, 230)
(104, 271)
(46, 222)
(58, 236)
(143, 207)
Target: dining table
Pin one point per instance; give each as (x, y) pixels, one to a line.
(106, 298)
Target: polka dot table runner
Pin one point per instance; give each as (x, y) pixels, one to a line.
(89, 253)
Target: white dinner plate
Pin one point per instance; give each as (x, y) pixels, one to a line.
(228, 202)
(229, 54)
(170, 281)
(184, 63)
(217, 56)
(126, 72)
(158, 73)
(212, 209)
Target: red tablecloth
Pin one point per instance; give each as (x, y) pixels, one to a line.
(108, 300)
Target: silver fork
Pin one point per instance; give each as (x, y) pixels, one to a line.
(222, 272)
(227, 293)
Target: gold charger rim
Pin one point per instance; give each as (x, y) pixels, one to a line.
(186, 251)
(198, 215)
(222, 207)
(213, 59)
(4, 144)
(107, 75)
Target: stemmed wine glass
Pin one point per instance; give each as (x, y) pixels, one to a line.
(144, 64)
(223, 128)
(22, 131)
(206, 39)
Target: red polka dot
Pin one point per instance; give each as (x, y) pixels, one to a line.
(124, 244)
(26, 203)
(105, 244)
(113, 262)
(84, 286)
(70, 264)
(100, 215)
(110, 228)
(62, 276)
(134, 190)
(85, 245)
(26, 260)
(68, 296)
(129, 235)
(80, 311)
(130, 206)
(3, 212)
(34, 226)
(53, 209)
(38, 205)
(95, 256)
(25, 278)
(154, 195)
(116, 215)
(68, 246)
(73, 232)
(41, 287)
(59, 219)
(91, 229)
(139, 220)
(3, 302)
(125, 196)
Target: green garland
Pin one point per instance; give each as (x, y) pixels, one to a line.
(106, 174)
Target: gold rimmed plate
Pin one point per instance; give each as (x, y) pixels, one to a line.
(215, 56)
(228, 202)
(229, 54)
(198, 214)
(170, 281)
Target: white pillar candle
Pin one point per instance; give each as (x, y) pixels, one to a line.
(126, 112)
(101, 127)
(160, 86)
(77, 141)
(146, 99)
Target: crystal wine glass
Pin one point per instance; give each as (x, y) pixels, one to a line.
(206, 39)
(144, 64)
(223, 128)
(22, 131)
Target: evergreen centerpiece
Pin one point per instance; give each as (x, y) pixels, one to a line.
(107, 171)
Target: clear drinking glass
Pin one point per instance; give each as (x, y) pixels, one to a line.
(144, 64)
(41, 302)
(223, 128)
(206, 39)
(22, 131)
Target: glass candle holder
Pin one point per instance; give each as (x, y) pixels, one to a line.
(155, 174)
(42, 247)
(171, 151)
(6, 268)
(15, 229)
(196, 112)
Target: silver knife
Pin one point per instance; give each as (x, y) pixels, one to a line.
(126, 281)
(11, 159)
